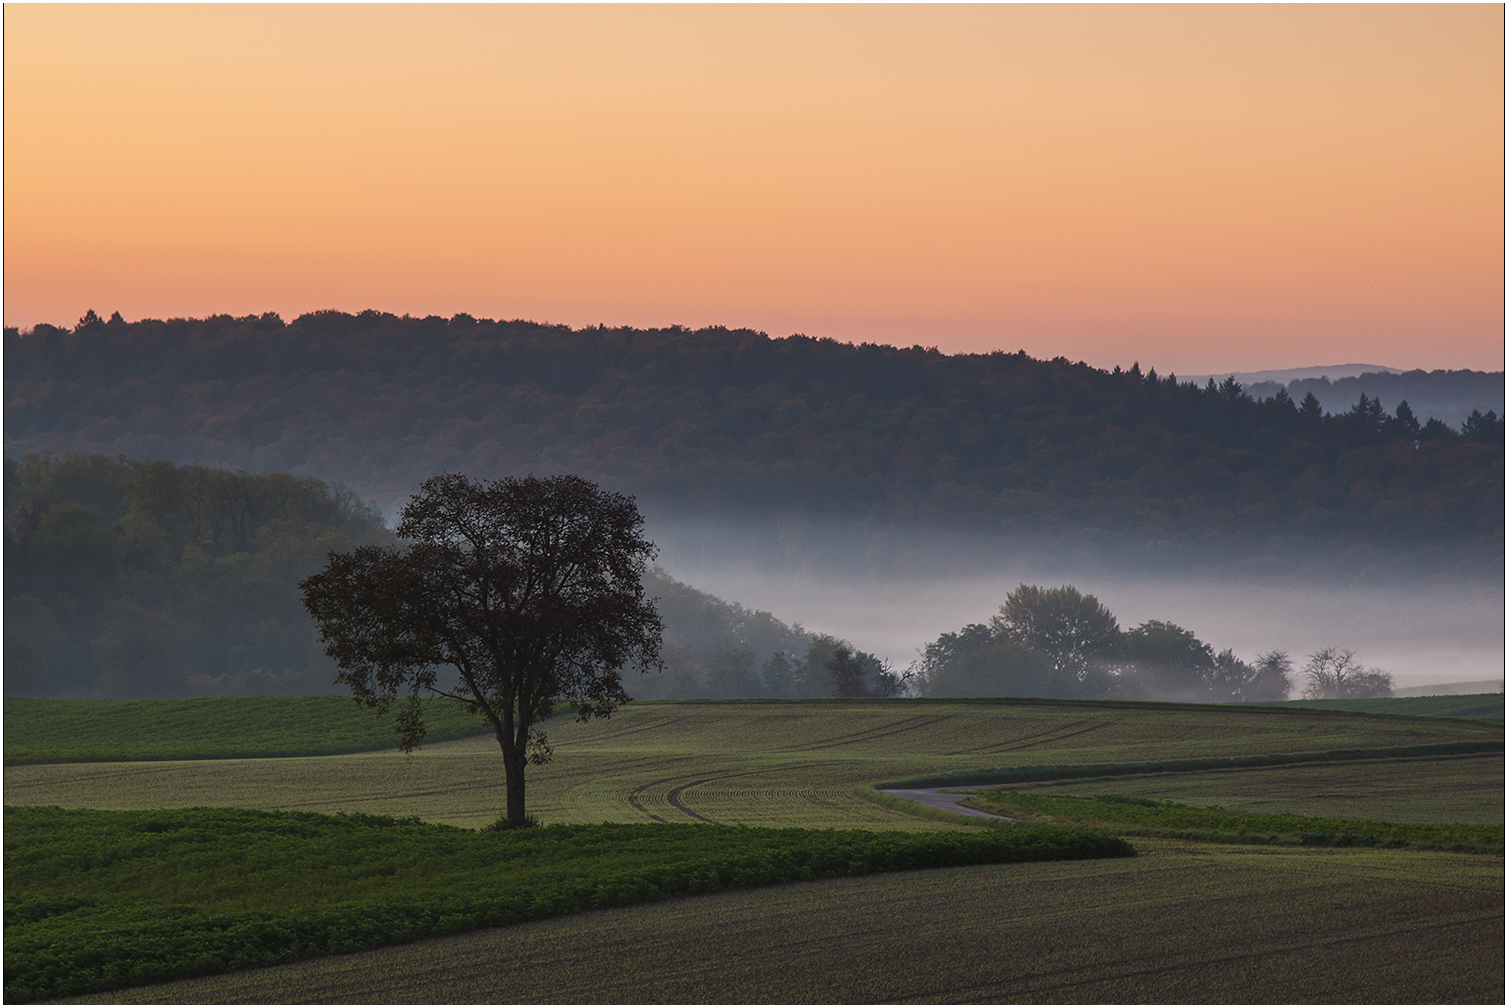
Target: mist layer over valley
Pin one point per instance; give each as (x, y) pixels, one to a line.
(1425, 633)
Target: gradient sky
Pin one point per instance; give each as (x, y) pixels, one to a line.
(1197, 188)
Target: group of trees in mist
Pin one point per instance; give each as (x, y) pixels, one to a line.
(719, 421)
(1058, 642)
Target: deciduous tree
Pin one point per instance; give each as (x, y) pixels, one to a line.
(529, 588)
(1074, 630)
(1336, 674)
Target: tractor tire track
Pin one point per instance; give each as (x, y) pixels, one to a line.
(1040, 738)
(673, 796)
(1032, 743)
(633, 798)
(663, 722)
(1024, 738)
(898, 728)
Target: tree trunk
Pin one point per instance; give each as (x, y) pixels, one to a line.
(513, 772)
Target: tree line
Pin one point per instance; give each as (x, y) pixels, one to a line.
(719, 421)
(1058, 642)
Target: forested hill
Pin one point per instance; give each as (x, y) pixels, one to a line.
(713, 421)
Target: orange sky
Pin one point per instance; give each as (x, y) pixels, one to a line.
(1197, 188)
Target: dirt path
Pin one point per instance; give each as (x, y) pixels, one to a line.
(936, 798)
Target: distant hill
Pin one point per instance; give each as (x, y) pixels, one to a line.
(1285, 375)
(1449, 396)
(719, 422)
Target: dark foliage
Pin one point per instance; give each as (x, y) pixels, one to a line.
(531, 589)
(858, 674)
(126, 578)
(721, 420)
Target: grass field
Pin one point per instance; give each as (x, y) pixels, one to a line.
(1473, 705)
(1183, 923)
(769, 763)
(72, 731)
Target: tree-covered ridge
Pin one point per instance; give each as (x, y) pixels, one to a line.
(127, 578)
(719, 420)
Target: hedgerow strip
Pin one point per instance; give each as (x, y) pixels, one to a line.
(84, 911)
(1070, 771)
(1213, 822)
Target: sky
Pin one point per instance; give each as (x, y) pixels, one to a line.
(1197, 188)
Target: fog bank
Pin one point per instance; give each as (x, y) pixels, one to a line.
(1422, 632)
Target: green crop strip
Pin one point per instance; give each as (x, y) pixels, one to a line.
(1465, 705)
(96, 731)
(1044, 772)
(95, 901)
(1142, 816)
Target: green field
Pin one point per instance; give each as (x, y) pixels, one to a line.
(1145, 817)
(1188, 921)
(77, 731)
(1447, 789)
(1183, 923)
(768, 763)
(1472, 705)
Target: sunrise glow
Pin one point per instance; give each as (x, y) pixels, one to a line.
(1199, 187)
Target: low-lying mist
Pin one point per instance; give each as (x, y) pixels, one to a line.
(1425, 631)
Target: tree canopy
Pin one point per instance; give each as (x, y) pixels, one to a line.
(530, 589)
(1073, 630)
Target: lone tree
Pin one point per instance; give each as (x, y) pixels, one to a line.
(530, 588)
